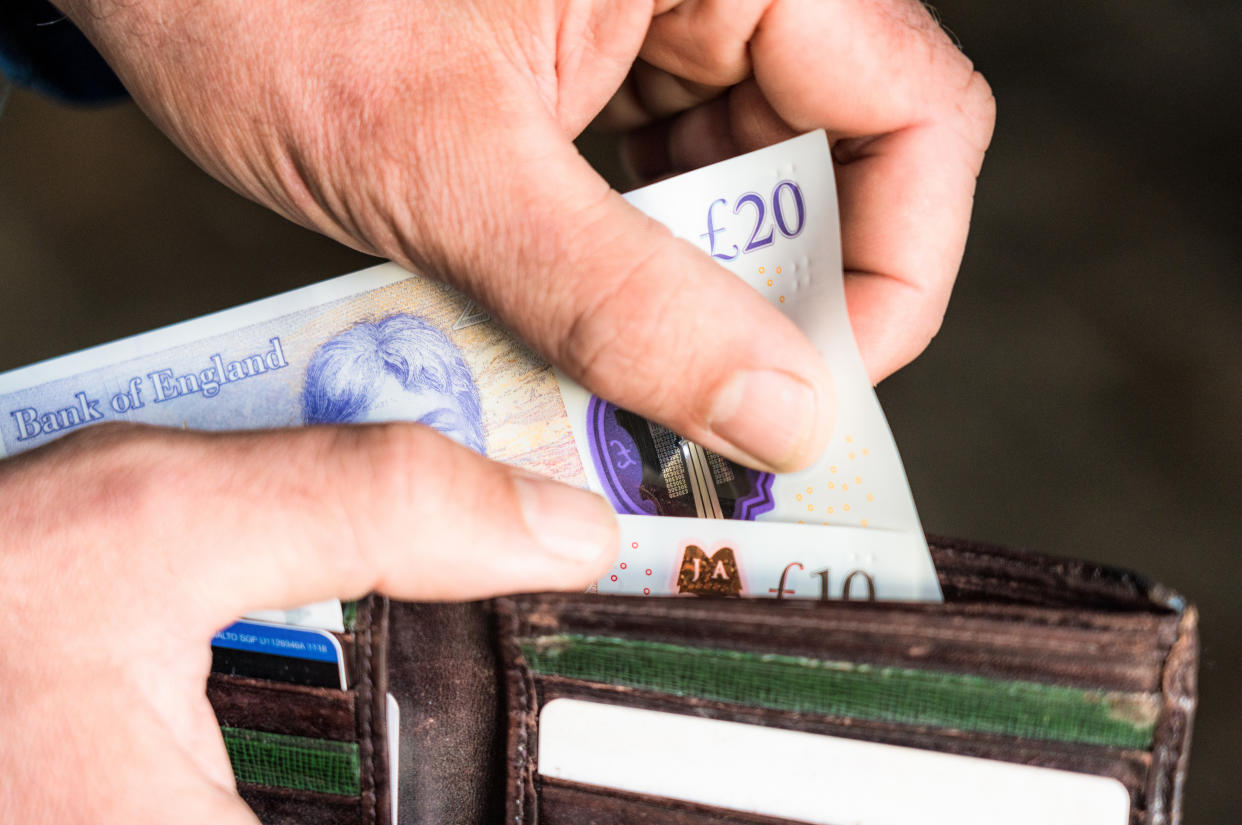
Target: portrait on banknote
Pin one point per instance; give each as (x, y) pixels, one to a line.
(399, 368)
(408, 349)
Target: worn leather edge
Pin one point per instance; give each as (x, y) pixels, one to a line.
(976, 578)
(379, 711)
(446, 676)
(275, 707)
(1047, 645)
(1171, 750)
(970, 571)
(371, 665)
(521, 799)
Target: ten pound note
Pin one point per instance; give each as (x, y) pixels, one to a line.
(382, 345)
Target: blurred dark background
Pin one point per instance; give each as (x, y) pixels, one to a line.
(1084, 397)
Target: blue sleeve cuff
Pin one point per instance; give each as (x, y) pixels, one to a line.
(41, 49)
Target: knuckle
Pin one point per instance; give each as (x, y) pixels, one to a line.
(707, 42)
(972, 120)
(389, 452)
(387, 498)
(979, 106)
(923, 334)
(721, 61)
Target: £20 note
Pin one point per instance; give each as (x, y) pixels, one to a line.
(385, 345)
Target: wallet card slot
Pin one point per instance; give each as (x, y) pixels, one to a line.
(848, 690)
(807, 777)
(277, 707)
(1113, 652)
(570, 803)
(293, 747)
(1109, 651)
(1130, 767)
(665, 656)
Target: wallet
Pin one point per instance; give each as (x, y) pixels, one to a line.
(1032, 660)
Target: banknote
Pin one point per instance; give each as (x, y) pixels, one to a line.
(384, 344)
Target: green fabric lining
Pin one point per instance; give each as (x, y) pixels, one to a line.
(859, 691)
(349, 615)
(296, 762)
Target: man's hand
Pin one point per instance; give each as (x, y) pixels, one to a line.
(438, 135)
(126, 548)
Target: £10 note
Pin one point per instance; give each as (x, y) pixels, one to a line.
(385, 345)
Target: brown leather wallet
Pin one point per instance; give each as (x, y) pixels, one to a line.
(1034, 660)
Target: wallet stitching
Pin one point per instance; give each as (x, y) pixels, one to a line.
(523, 746)
(367, 751)
(1176, 720)
(520, 757)
(378, 641)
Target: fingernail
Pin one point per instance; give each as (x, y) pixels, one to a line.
(767, 414)
(569, 523)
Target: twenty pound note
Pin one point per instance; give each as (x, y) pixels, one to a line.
(384, 345)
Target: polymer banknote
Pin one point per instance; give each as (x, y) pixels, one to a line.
(385, 344)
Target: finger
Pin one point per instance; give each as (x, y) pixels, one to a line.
(645, 320)
(705, 41)
(281, 518)
(661, 149)
(649, 94)
(740, 121)
(596, 45)
(910, 120)
(906, 194)
(906, 204)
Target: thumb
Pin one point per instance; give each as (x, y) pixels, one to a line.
(637, 316)
(280, 518)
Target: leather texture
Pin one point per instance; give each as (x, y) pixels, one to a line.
(355, 716)
(470, 698)
(256, 704)
(1008, 614)
(444, 678)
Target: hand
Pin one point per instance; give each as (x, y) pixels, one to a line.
(438, 135)
(126, 548)
(907, 116)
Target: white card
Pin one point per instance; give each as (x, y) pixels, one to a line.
(325, 615)
(809, 777)
(393, 712)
